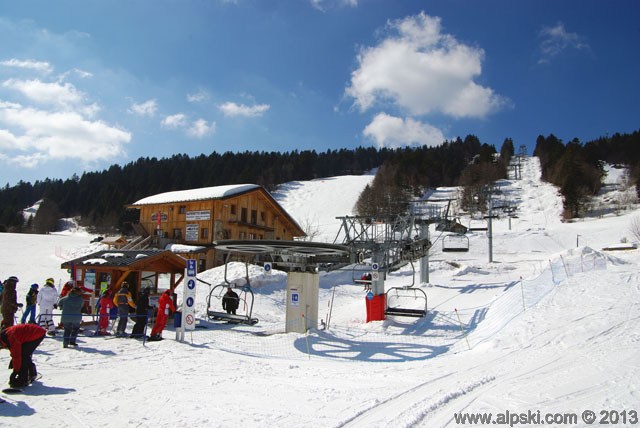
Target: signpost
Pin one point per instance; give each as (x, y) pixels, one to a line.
(188, 301)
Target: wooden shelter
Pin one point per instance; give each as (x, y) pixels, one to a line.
(188, 221)
(107, 270)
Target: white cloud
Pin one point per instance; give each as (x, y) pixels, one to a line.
(422, 70)
(174, 121)
(323, 5)
(147, 108)
(82, 73)
(556, 40)
(38, 135)
(393, 132)
(197, 97)
(61, 95)
(233, 110)
(40, 66)
(201, 128)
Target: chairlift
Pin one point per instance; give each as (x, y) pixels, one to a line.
(406, 301)
(364, 278)
(455, 243)
(478, 225)
(245, 297)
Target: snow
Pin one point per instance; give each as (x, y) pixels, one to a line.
(551, 325)
(215, 192)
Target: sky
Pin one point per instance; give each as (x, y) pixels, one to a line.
(551, 326)
(88, 84)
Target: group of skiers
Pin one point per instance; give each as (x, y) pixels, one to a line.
(22, 339)
(46, 298)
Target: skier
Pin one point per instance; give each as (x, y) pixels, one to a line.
(9, 301)
(47, 298)
(30, 310)
(165, 304)
(22, 340)
(71, 306)
(123, 301)
(142, 307)
(105, 304)
(230, 301)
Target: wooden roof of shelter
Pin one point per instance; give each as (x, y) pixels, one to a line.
(129, 260)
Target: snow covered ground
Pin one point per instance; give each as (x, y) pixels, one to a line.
(552, 325)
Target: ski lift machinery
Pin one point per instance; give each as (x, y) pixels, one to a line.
(391, 243)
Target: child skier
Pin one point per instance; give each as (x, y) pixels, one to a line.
(30, 310)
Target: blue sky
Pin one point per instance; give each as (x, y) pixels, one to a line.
(85, 84)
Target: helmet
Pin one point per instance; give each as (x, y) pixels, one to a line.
(50, 281)
(125, 284)
(34, 286)
(13, 279)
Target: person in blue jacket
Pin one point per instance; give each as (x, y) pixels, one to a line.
(71, 306)
(30, 310)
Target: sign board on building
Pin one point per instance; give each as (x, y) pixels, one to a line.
(198, 215)
(192, 232)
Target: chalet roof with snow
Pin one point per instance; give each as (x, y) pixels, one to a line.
(129, 259)
(205, 193)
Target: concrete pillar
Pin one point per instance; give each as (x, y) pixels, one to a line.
(302, 301)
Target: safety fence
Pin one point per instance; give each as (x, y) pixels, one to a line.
(484, 323)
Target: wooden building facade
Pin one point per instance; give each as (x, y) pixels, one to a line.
(197, 217)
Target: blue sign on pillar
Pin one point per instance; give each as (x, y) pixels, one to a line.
(189, 297)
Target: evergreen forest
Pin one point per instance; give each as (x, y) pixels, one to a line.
(99, 198)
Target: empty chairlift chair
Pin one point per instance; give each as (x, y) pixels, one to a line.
(455, 243)
(406, 301)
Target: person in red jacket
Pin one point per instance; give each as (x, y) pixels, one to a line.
(165, 304)
(106, 303)
(22, 340)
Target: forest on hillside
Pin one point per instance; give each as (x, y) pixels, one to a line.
(577, 169)
(99, 198)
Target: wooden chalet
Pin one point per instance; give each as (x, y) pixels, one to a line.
(188, 221)
(103, 270)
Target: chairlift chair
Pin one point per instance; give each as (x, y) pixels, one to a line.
(478, 225)
(396, 299)
(245, 306)
(455, 243)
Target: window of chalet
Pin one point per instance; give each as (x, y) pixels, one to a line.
(242, 235)
(182, 209)
(263, 216)
(254, 217)
(233, 209)
(177, 233)
(204, 233)
(252, 236)
(243, 215)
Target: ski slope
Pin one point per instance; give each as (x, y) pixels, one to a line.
(551, 325)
